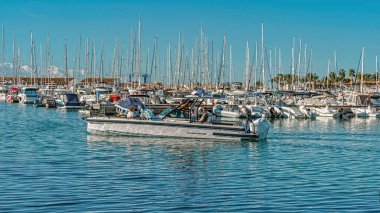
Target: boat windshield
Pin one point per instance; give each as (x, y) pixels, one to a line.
(30, 92)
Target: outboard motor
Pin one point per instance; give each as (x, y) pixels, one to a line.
(217, 109)
(262, 128)
(272, 112)
(244, 112)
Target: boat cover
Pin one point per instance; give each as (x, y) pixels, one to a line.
(129, 102)
(72, 100)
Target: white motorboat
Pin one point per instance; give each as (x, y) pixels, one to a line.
(326, 112)
(28, 95)
(230, 111)
(365, 112)
(256, 111)
(3, 93)
(292, 112)
(275, 112)
(360, 112)
(307, 112)
(179, 128)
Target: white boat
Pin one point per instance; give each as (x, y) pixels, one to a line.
(230, 114)
(326, 112)
(230, 111)
(256, 111)
(360, 112)
(359, 99)
(292, 112)
(179, 128)
(3, 93)
(307, 112)
(275, 112)
(365, 112)
(373, 113)
(28, 95)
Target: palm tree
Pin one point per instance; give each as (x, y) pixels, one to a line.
(341, 75)
(332, 78)
(351, 73)
(324, 82)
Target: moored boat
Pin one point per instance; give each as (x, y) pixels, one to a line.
(3, 93)
(193, 127)
(12, 95)
(68, 101)
(28, 95)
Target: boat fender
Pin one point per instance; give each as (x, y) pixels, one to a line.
(251, 127)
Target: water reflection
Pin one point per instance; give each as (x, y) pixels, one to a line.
(182, 154)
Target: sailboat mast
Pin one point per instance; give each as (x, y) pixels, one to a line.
(155, 60)
(41, 64)
(47, 58)
(178, 61)
(86, 62)
(262, 56)
(377, 76)
(223, 58)
(31, 57)
(3, 47)
(362, 72)
(270, 68)
(66, 68)
(230, 65)
(247, 77)
(256, 64)
(79, 54)
(275, 75)
(299, 64)
(293, 63)
(169, 66)
(280, 68)
(18, 63)
(336, 67)
(139, 53)
(13, 61)
(328, 73)
(311, 65)
(305, 66)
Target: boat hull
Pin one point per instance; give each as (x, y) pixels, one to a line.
(167, 129)
(70, 107)
(229, 114)
(3, 96)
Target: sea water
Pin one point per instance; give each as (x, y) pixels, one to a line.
(48, 163)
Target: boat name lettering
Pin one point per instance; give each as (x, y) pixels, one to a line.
(196, 133)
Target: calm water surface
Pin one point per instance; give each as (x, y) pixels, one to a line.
(49, 163)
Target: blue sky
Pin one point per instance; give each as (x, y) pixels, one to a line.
(325, 25)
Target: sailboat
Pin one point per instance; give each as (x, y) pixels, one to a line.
(360, 99)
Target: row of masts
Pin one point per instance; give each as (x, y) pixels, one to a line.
(182, 68)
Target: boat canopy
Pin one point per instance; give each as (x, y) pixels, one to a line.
(132, 102)
(71, 99)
